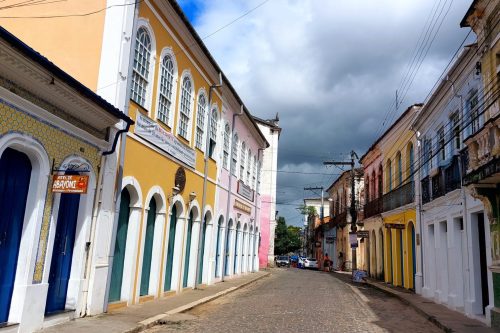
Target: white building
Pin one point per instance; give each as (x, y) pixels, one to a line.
(455, 229)
(267, 189)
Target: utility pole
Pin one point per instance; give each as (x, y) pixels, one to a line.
(352, 209)
(321, 210)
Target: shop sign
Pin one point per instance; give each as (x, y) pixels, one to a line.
(363, 234)
(245, 191)
(241, 206)
(70, 184)
(166, 141)
(330, 239)
(353, 239)
(394, 226)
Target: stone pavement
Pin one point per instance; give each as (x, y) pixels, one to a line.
(446, 319)
(139, 317)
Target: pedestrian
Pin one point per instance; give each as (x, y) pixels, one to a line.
(326, 263)
(341, 261)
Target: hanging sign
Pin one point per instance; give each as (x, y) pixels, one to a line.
(353, 239)
(394, 226)
(166, 141)
(70, 184)
(363, 234)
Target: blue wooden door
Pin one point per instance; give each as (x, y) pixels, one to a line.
(217, 249)
(188, 251)
(115, 288)
(62, 253)
(202, 255)
(148, 248)
(170, 250)
(236, 254)
(229, 234)
(15, 172)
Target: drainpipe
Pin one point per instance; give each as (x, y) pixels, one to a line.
(121, 159)
(201, 234)
(229, 190)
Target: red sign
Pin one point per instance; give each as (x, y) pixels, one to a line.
(70, 184)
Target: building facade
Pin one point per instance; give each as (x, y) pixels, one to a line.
(454, 227)
(372, 218)
(483, 144)
(56, 143)
(271, 130)
(398, 201)
(157, 232)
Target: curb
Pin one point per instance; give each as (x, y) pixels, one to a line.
(426, 315)
(155, 320)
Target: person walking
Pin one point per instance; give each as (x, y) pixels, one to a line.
(326, 263)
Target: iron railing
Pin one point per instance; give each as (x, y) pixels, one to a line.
(426, 191)
(398, 197)
(452, 176)
(437, 185)
(372, 208)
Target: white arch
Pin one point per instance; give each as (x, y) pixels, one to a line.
(180, 232)
(33, 216)
(158, 194)
(168, 51)
(82, 235)
(131, 248)
(194, 207)
(144, 23)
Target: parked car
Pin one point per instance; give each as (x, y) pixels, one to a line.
(310, 263)
(283, 261)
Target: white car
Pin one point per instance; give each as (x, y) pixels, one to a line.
(310, 263)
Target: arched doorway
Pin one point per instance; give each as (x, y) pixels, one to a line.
(401, 258)
(244, 251)
(148, 248)
(170, 249)
(382, 254)
(120, 244)
(203, 242)
(62, 253)
(413, 255)
(15, 174)
(236, 248)
(188, 250)
(217, 246)
(229, 235)
(373, 242)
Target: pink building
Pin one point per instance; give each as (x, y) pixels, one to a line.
(237, 200)
(267, 190)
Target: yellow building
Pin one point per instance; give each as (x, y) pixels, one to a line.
(146, 59)
(398, 201)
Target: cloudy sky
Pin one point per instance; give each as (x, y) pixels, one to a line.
(330, 68)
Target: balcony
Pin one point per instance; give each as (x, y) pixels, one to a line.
(437, 184)
(340, 219)
(452, 176)
(426, 193)
(372, 208)
(401, 196)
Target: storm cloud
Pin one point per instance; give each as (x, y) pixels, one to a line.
(330, 68)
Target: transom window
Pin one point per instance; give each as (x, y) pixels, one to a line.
(242, 160)
(213, 132)
(442, 152)
(234, 154)
(200, 121)
(249, 165)
(185, 107)
(225, 156)
(140, 74)
(166, 89)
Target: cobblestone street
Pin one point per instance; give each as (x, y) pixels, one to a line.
(293, 300)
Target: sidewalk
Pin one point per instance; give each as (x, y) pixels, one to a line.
(443, 317)
(138, 317)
